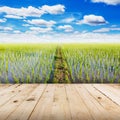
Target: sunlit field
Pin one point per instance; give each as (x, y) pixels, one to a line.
(93, 63)
(64, 63)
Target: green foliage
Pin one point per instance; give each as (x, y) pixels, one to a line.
(29, 63)
(93, 62)
(26, 63)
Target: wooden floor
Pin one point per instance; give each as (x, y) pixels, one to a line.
(60, 102)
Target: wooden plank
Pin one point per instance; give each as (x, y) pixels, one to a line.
(44, 107)
(115, 85)
(10, 92)
(60, 107)
(3, 86)
(108, 93)
(60, 102)
(111, 109)
(8, 89)
(25, 109)
(115, 90)
(13, 103)
(98, 113)
(78, 109)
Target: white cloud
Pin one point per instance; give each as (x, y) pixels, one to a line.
(22, 12)
(3, 20)
(113, 25)
(5, 28)
(40, 30)
(61, 38)
(56, 9)
(102, 30)
(68, 20)
(108, 2)
(26, 25)
(66, 28)
(41, 22)
(13, 16)
(16, 31)
(93, 20)
(19, 38)
(32, 11)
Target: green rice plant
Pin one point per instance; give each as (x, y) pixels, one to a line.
(26, 63)
(100, 62)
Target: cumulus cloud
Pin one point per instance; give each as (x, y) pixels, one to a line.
(22, 12)
(66, 28)
(16, 31)
(41, 22)
(102, 30)
(19, 38)
(5, 28)
(68, 20)
(26, 25)
(3, 20)
(13, 16)
(108, 2)
(61, 37)
(93, 20)
(31, 11)
(40, 30)
(56, 9)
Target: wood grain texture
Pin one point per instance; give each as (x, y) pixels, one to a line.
(13, 103)
(60, 102)
(109, 93)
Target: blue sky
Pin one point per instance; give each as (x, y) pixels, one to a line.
(59, 21)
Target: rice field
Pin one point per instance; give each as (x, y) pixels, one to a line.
(26, 64)
(93, 63)
(75, 63)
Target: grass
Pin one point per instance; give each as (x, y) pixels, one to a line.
(65, 63)
(93, 63)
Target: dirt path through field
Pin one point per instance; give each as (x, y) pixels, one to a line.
(60, 73)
